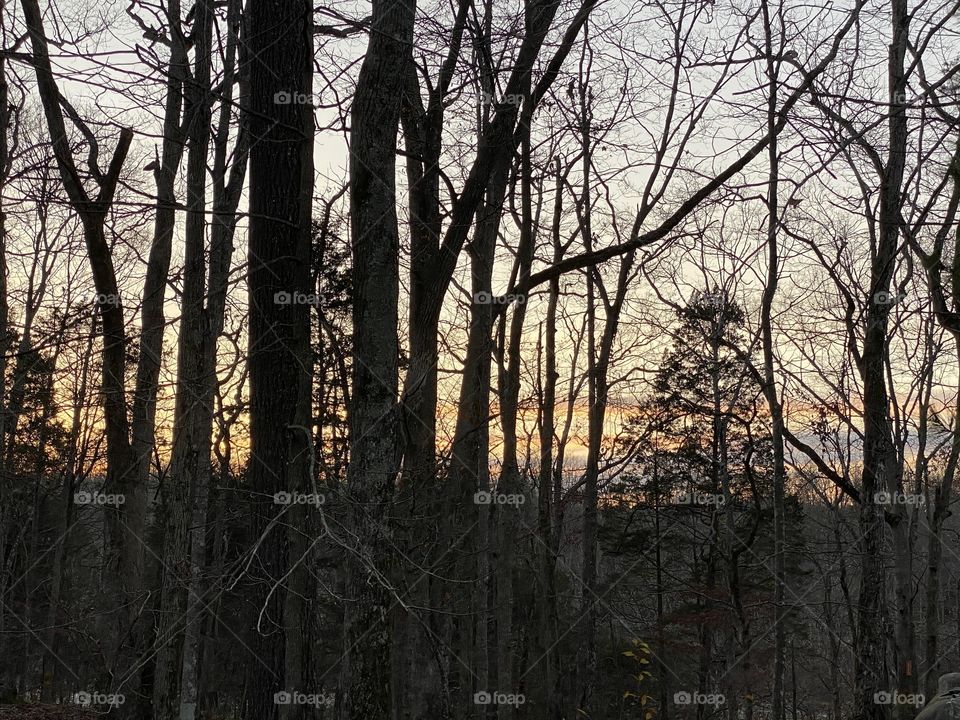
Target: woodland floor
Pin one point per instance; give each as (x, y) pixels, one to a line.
(38, 711)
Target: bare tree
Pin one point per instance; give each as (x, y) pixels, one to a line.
(93, 208)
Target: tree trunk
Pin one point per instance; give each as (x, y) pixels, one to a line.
(6, 337)
(123, 559)
(280, 61)
(226, 197)
(505, 519)
(470, 470)
(374, 451)
(181, 491)
(152, 318)
(769, 378)
(937, 514)
(587, 652)
(880, 470)
(548, 625)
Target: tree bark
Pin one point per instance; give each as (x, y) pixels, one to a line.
(226, 198)
(374, 450)
(181, 490)
(6, 336)
(880, 471)
(280, 66)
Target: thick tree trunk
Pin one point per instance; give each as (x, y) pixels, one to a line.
(280, 61)
(374, 451)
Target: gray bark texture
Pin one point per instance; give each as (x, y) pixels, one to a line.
(374, 451)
